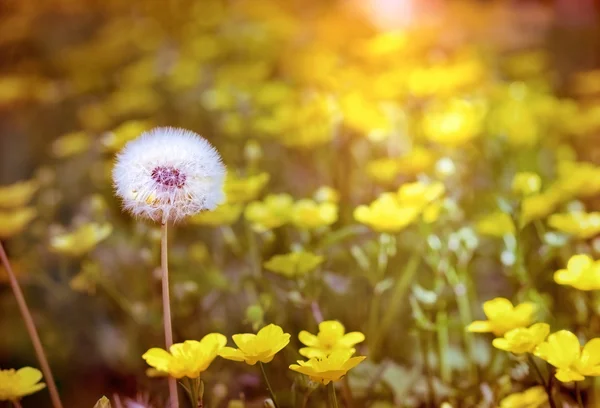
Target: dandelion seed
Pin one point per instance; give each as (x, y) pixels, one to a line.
(168, 174)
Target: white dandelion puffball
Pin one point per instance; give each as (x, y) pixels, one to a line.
(167, 174)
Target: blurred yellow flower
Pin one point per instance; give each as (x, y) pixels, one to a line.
(241, 190)
(273, 212)
(253, 348)
(370, 118)
(503, 316)
(133, 100)
(71, 144)
(386, 214)
(453, 123)
(17, 384)
(578, 179)
(563, 351)
(581, 224)
(332, 336)
(224, 214)
(534, 397)
(537, 206)
(497, 224)
(307, 214)
(522, 340)
(80, 241)
(294, 264)
(582, 273)
(187, 359)
(329, 368)
(418, 160)
(526, 183)
(419, 194)
(384, 170)
(13, 222)
(326, 194)
(115, 140)
(17, 194)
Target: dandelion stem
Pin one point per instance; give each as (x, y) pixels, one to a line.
(332, 396)
(268, 384)
(164, 263)
(578, 394)
(31, 329)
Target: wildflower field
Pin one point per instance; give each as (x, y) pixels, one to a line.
(299, 204)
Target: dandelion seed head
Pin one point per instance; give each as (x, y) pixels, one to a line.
(168, 174)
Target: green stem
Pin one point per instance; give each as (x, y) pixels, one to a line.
(578, 394)
(547, 385)
(268, 384)
(332, 396)
(424, 346)
(395, 305)
(443, 337)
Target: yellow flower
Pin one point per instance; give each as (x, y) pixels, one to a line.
(453, 123)
(503, 316)
(225, 214)
(273, 212)
(332, 336)
(16, 384)
(497, 224)
(417, 161)
(563, 351)
(384, 170)
(241, 190)
(116, 139)
(578, 179)
(307, 214)
(526, 183)
(81, 240)
(326, 194)
(187, 359)
(522, 340)
(534, 397)
(329, 368)
(71, 144)
(538, 206)
(386, 214)
(17, 194)
(13, 222)
(581, 224)
(253, 348)
(420, 194)
(582, 273)
(294, 264)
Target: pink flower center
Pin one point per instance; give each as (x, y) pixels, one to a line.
(168, 176)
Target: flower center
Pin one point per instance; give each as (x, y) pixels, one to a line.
(168, 176)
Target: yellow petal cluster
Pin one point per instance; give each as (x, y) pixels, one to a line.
(582, 273)
(453, 123)
(331, 367)
(13, 222)
(497, 224)
(503, 316)
(308, 214)
(273, 212)
(18, 194)
(580, 224)
(224, 214)
(534, 397)
(526, 183)
(16, 384)
(244, 189)
(82, 240)
(331, 337)
(572, 362)
(187, 359)
(253, 348)
(522, 340)
(294, 264)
